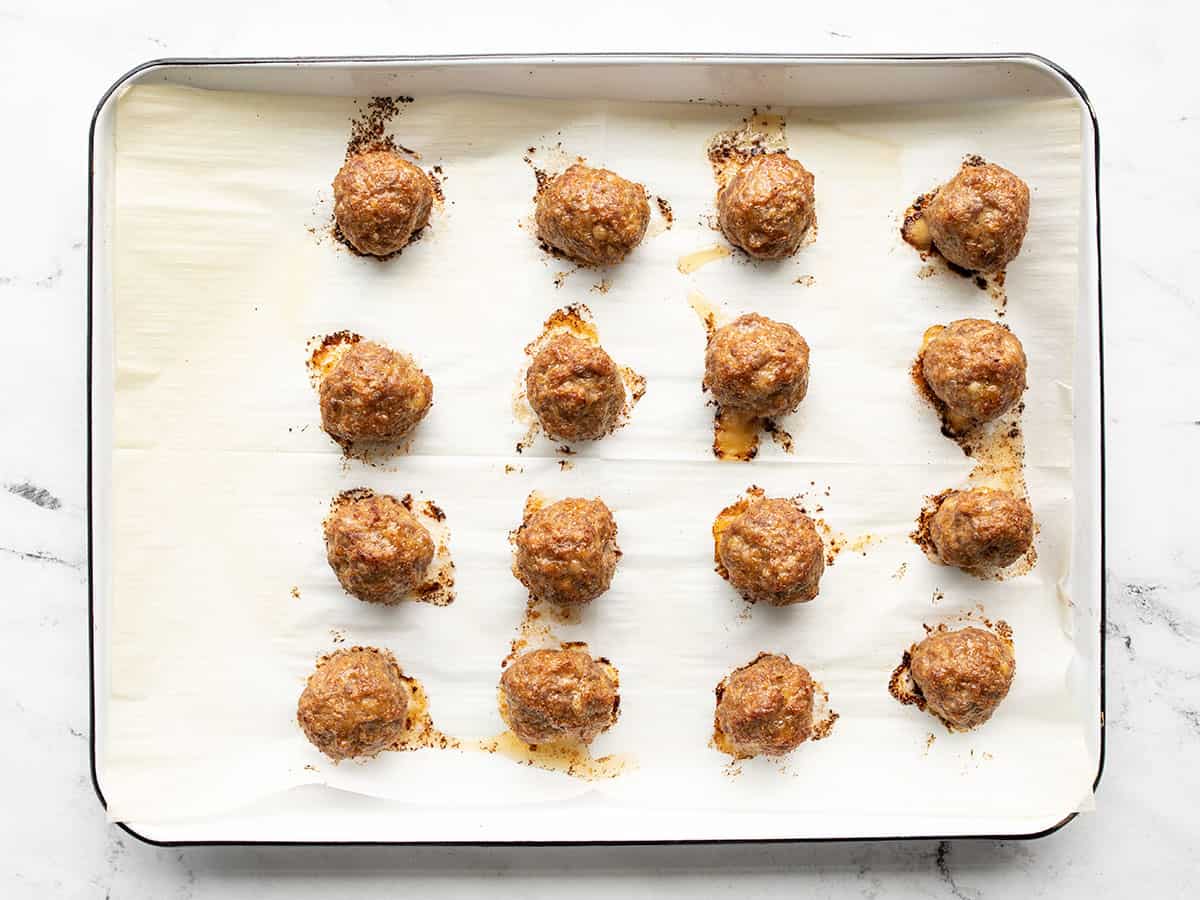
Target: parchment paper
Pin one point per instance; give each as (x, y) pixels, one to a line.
(222, 475)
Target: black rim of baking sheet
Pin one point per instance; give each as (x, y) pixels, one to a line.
(608, 57)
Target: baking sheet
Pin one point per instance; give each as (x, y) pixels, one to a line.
(222, 476)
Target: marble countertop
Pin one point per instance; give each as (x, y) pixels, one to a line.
(1138, 64)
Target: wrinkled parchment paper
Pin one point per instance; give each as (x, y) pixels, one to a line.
(222, 476)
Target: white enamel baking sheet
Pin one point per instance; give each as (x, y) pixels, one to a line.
(212, 475)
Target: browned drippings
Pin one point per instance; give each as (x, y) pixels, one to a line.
(572, 759)
(805, 281)
(901, 684)
(295, 592)
(913, 227)
(368, 127)
(602, 286)
(759, 133)
(324, 351)
(710, 314)
(778, 435)
(635, 386)
(419, 732)
(725, 518)
(690, 262)
(575, 319)
(665, 210)
(920, 535)
(824, 718)
(735, 435)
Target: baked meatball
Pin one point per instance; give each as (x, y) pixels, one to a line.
(766, 208)
(772, 553)
(981, 527)
(567, 551)
(547, 696)
(757, 365)
(976, 368)
(380, 201)
(765, 707)
(963, 675)
(575, 388)
(355, 703)
(377, 548)
(593, 216)
(977, 219)
(373, 394)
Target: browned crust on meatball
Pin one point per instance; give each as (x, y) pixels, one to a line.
(758, 365)
(377, 548)
(593, 216)
(355, 703)
(575, 389)
(766, 208)
(978, 219)
(373, 394)
(772, 553)
(981, 527)
(975, 367)
(380, 201)
(567, 552)
(550, 696)
(963, 675)
(765, 708)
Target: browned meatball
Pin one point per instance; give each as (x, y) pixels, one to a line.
(977, 219)
(766, 208)
(757, 365)
(772, 553)
(567, 551)
(765, 707)
(380, 201)
(963, 675)
(549, 696)
(373, 394)
(575, 388)
(355, 703)
(981, 527)
(593, 216)
(377, 548)
(975, 367)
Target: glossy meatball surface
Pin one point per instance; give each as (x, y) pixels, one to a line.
(380, 200)
(592, 216)
(977, 220)
(975, 367)
(766, 208)
(355, 703)
(548, 696)
(373, 394)
(765, 707)
(377, 548)
(575, 389)
(981, 527)
(963, 675)
(567, 551)
(772, 553)
(758, 365)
